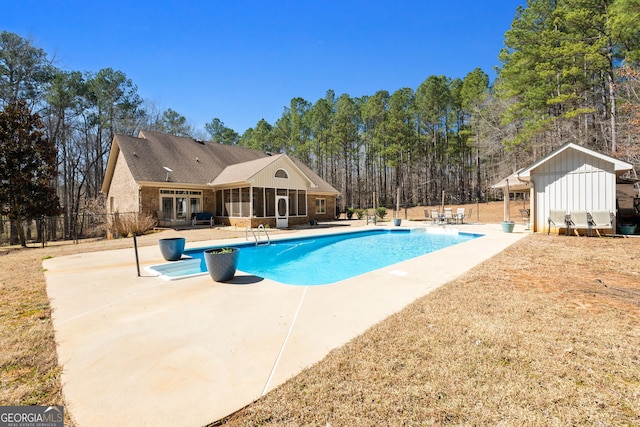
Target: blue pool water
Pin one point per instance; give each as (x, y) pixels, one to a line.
(323, 259)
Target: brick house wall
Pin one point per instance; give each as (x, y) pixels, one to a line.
(330, 204)
(123, 192)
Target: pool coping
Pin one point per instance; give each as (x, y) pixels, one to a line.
(191, 351)
(158, 269)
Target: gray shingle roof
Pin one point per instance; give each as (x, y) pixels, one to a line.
(196, 162)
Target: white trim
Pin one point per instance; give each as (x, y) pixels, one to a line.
(618, 165)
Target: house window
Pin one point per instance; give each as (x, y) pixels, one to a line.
(297, 203)
(179, 204)
(195, 204)
(293, 202)
(321, 206)
(245, 202)
(258, 202)
(281, 173)
(302, 203)
(270, 201)
(236, 202)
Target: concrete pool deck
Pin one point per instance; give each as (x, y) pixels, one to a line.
(144, 351)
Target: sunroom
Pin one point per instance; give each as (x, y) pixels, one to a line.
(271, 191)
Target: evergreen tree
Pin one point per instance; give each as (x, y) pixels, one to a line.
(259, 138)
(559, 67)
(220, 133)
(175, 123)
(27, 167)
(24, 70)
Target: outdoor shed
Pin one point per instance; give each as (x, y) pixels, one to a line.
(572, 178)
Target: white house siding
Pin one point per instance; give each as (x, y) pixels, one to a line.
(570, 181)
(266, 177)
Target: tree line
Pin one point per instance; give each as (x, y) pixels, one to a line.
(569, 73)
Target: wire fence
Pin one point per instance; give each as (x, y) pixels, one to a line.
(75, 227)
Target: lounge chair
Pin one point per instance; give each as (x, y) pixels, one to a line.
(601, 220)
(579, 220)
(460, 216)
(559, 220)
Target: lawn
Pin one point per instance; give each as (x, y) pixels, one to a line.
(545, 333)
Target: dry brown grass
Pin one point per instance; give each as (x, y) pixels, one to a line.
(545, 333)
(29, 372)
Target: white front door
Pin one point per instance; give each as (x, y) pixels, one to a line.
(282, 212)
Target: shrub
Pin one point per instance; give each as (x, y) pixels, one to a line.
(381, 212)
(125, 225)
(360, 213)
(350, 212)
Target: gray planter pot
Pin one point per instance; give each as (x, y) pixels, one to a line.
(397, 221)
(172, 248)
(221, 263)
(507, 226)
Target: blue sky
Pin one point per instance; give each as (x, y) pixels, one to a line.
(241, 61)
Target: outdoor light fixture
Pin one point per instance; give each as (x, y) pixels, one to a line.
(168, 171)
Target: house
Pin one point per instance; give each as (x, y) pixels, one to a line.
(174, 178)
(572, 178)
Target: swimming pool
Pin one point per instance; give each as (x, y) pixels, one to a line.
(321, 260)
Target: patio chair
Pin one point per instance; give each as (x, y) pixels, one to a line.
(601, 220)
(460, 216)
(559, 220)
(163, 221)
(579, 220)
(435, 216)
(448, 215)
(526, 214)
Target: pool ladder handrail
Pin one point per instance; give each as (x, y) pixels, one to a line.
(257, 237)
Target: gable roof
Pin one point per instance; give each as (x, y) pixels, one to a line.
(191, 162)
(618, 165)
(244, 172)
(514, 184)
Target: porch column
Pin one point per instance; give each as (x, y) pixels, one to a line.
(506, 201)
